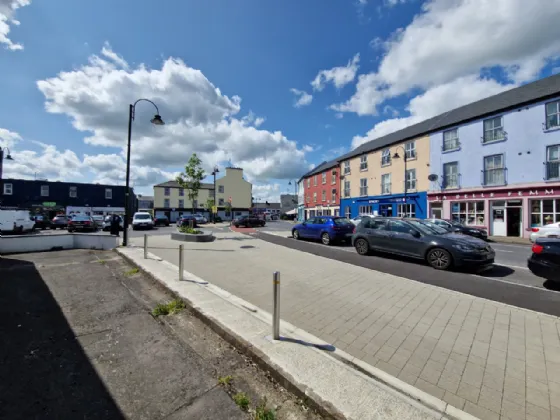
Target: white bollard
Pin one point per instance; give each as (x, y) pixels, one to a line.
(276, 312)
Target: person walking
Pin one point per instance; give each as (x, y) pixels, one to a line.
(115, 225)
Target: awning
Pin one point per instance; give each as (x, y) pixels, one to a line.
(291, 212)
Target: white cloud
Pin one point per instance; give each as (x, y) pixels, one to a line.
(7, 12)
(338, 76)
(8, 138)
(266, 192)
(302, 98)
(390, 110)
(454, 39)
(199, 117)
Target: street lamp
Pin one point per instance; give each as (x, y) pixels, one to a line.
(8, 157)
(156, 121)
(214, 172)
(396, 156)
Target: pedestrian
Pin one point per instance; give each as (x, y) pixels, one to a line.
(115, 224)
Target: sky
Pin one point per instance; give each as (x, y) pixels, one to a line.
(273, 87)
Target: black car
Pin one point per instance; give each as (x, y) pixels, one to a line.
(545, 259)
(187, 220)
(422, 240)
(60, 221)
(248, 221)
(457, 227)
(42, 222)
(161, 221)
(82, 223)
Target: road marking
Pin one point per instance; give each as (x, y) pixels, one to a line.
(517, 284)
(502, 250)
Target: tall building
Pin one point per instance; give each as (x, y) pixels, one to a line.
(322, 190)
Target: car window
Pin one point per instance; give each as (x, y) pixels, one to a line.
(81, 219)
(320, 221)
(142, 216)
(399, 227)
(442, 223)
(311, 221)
(432, 226)
(341, 221)
(374, 224)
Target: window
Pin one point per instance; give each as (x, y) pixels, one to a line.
(315, 180)
(346, 188)
(406, 210)
(363, 163)
(166, 203)
(450, 139)
(493, 130)
(494, 172)
(324, 177)
(167, 191)
(314, 197)
(347, 212)
(386, 184)
(346, 167)
(181, 204)
(73, 192)
(324, 196)
(333, 195)
(468, 212)
(386, 157)
(308, 182)
(410, 183)
(108, 193)
(220, 201)
(553, 162)
(364, 210)
(333, 177)
(181, 192)
(44, 190)
(410, 149)
(8, 189)
(451, 175)
(308, 198)
(363, 186)
(544, 212)
(552, 114)
(221, 189)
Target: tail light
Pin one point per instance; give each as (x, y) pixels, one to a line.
(86, 223)
(534, 229)
(537, 249)
(70, 222)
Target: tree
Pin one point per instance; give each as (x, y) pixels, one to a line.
(227, 208)
(210, 204)
(191, 179)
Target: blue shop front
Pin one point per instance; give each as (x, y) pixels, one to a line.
(396, 205)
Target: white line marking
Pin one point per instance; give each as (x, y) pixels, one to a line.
(517, 284)
(502, 250)
(511, 266)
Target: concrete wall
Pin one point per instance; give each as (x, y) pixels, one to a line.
(37, 243)
(236, 187)
(174, 197)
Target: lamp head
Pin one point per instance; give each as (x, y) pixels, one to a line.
(157, 120)
(396, 155)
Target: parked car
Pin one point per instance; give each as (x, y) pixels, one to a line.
(551, 230)
(108, 220)
(142, 220)
(16, 221)
(200, 219)
(82, 223)
(422, 240)
(98, 220)
(161, 221)
(248, 221)
(41, 222)
(545, 259)
(328, 229)
(186, 220)
(356, 220)
(452, 226)
(60, 221)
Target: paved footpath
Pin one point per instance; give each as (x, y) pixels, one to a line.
(492, 360)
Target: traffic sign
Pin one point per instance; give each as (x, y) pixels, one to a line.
(214, 209)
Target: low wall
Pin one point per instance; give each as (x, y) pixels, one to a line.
(38, 243)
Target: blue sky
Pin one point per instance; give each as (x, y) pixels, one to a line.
(379, 65)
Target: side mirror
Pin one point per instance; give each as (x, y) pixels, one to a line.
(304, 223)
(456, 230)
(414, 233)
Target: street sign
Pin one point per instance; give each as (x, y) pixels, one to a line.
(214, 209)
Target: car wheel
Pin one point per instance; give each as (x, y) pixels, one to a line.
(362, 246)
(439, 259)
(325, 239)
(295, 234)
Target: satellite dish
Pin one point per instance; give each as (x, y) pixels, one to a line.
(432, 177)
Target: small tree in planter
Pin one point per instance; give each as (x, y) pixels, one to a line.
(191, 178)
(227, 208)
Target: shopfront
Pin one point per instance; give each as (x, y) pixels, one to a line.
(503, 212)
(321, 211)
(411, 205)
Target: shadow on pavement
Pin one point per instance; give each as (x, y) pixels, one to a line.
(497, 271)
(552, 285)
(45, 373)
(325, 347)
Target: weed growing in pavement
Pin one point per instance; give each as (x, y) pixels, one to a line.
(102, 261)
(131, 272)
(242, 400)
(263, 413)
(225, 380)
(170, 308)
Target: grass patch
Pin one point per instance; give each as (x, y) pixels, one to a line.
(263, 413)
(242, 400)
(188, 229)
(131, 272)
(170, 308)
(225, 380)
(102, 261)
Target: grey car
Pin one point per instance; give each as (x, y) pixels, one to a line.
(422, 240)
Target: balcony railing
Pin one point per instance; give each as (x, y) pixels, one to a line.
(494, 177)
(386, 188)
(347, 192)
(451, 181)
(491, 136)
(450, 144)
(552, 170)
(363, 191)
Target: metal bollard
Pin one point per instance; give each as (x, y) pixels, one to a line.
(181, 263)
(276, 312)
(145, 247)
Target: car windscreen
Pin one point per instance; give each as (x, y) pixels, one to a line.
(428, 228)
(81, 219)
(142, 216)
(341, 221)
(97, 217)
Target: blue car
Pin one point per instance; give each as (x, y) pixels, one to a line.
(327, 229)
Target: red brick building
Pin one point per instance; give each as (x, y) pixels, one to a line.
(322, 190)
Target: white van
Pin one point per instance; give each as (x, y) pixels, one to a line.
(16, 221)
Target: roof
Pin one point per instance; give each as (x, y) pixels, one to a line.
(175, 184)
(542, 89)
(322, 167)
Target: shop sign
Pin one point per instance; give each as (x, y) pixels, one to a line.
(495, 194)
(388, 200)
(49, 204)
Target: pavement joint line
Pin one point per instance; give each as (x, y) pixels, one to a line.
(414, 394)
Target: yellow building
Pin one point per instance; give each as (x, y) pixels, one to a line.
(233, 197)
(388, 180)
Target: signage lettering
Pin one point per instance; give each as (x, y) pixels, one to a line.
(497, 194)
(547, 192)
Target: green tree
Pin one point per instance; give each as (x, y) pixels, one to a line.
(191, 178)
(210, 204)
(227, 208)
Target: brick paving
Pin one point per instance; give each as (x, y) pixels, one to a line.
(492, 360)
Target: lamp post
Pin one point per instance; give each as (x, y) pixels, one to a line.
(396, 156)
(156, 121)
(8, 157)
(214, 172)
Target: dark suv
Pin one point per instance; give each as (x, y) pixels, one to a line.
(452, 226)
(423, 240)
(248, 221)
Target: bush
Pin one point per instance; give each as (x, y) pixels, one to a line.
(170, 308)
(188, 229)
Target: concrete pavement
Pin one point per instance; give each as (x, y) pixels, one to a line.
(489, 359)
